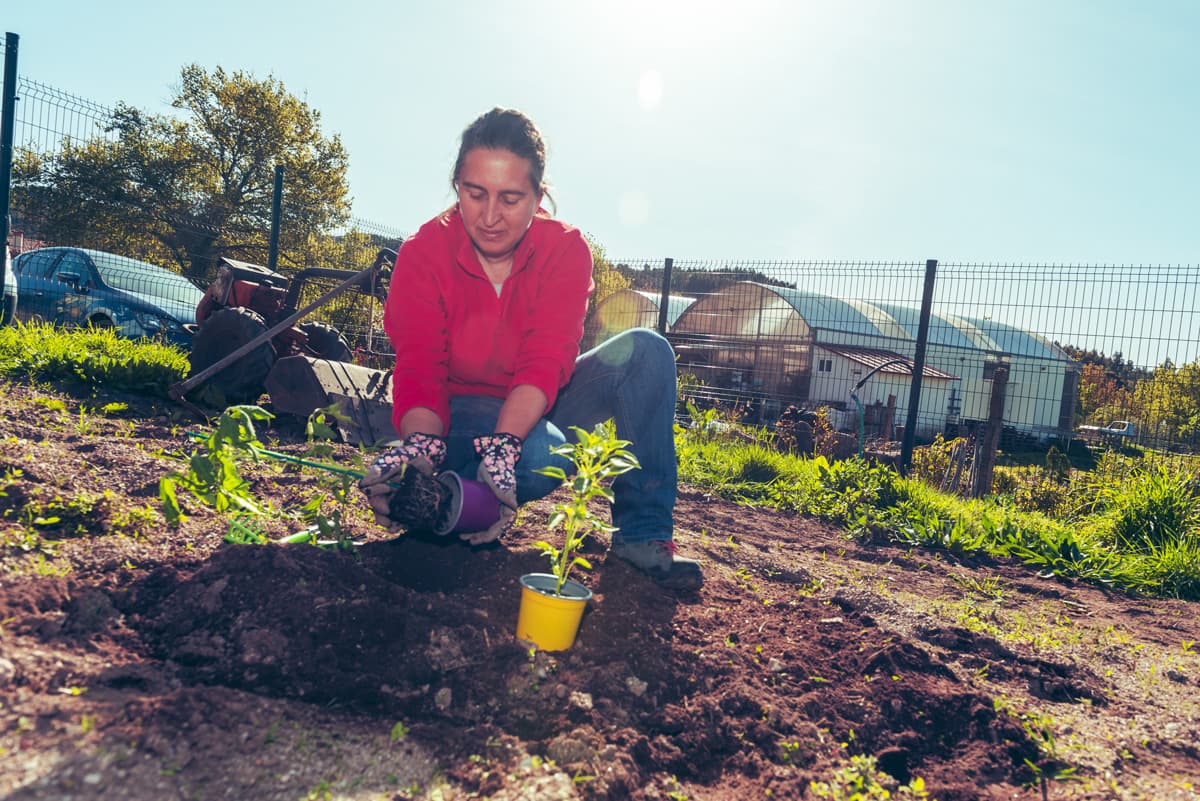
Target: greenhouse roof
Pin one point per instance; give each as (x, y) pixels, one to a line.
(893, 320)
(676, 304)
(822, 311)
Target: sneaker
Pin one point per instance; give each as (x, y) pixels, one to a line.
(657, 559)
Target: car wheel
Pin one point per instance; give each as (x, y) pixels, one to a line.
(100, 321)
(220, 334)
(326, 342)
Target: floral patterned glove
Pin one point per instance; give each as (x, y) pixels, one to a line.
(498, 457)
(422, 452)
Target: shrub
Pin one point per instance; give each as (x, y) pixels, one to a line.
(1155, 506)
(930, 462)
(1057, 464)
(824, 435)
(1039, 492)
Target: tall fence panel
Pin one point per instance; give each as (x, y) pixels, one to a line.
(1082, 346)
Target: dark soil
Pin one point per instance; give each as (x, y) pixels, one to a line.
(145, 662)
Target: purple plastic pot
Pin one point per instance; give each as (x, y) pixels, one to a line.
(473, 507)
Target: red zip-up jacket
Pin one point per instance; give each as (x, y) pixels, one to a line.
(454, 336)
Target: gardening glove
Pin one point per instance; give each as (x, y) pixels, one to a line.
(421, 452)
(498, 456)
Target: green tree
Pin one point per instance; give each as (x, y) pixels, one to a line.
(196, 188)
(606, 277)
(1101, 398)
(1169, 400)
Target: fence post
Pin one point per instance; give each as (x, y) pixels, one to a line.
(985, 452)
(914, 394)
(7, 121)
(664, 301)
(276, 214)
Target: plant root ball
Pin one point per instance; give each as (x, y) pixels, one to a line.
(420, 502)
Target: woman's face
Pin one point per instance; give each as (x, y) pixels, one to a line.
(497, 200)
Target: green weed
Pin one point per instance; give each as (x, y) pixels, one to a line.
(90, 358)
(212, 476)
(860, 780)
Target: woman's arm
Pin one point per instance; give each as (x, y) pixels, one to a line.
(421, 420)
(521, 411)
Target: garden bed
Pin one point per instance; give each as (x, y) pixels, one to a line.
(141, 661)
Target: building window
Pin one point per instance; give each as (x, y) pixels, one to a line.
(825, 365)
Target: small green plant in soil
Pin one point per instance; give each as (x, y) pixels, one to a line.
(860, 780)
(327, 527)
(212, 475)
(319, 430)
(598, 457)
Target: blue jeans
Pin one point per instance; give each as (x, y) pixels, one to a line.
(630, 378)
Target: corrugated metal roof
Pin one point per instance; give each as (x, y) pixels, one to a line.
(872, 358)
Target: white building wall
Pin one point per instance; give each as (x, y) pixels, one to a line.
(1033, 397)
(834, 387)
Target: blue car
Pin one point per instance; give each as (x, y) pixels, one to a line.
(77, 286)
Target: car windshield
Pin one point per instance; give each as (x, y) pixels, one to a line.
(141, 278)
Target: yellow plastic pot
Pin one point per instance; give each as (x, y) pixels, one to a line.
(547, 620)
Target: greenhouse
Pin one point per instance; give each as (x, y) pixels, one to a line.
(787, 346)
(627, 309)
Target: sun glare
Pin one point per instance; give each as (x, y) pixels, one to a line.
(650, 90)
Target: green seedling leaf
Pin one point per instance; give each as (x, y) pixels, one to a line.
(212, 475)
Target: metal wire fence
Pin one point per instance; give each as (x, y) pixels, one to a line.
(1078, 345)
(1057, 346)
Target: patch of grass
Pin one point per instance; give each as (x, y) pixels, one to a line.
(1132, 526)
(990, 587)
(90, 358)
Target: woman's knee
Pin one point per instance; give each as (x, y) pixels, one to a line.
(536, 455)
(655, 349)
(532, 484)
(643, 347)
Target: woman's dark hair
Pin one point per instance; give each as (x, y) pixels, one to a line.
(506, 129)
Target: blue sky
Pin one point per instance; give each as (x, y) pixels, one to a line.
(963, 130)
